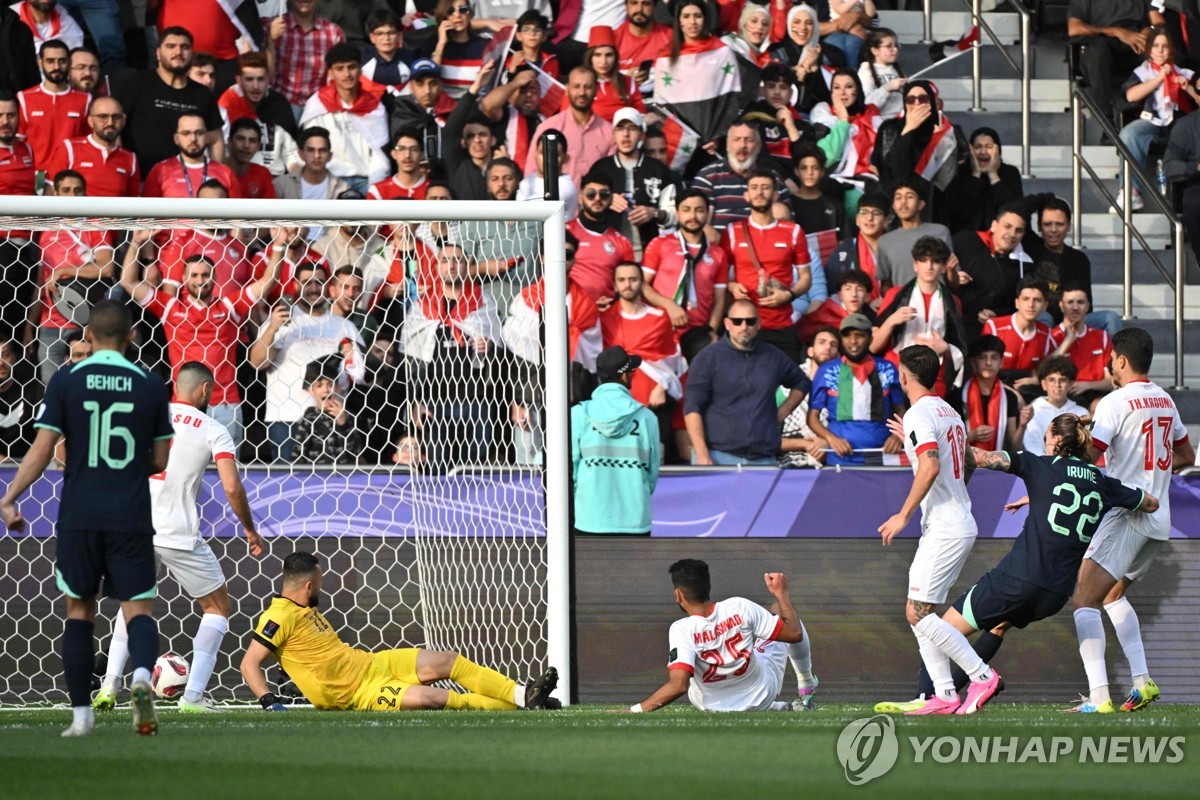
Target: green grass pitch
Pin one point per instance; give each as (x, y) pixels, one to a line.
(582, 752)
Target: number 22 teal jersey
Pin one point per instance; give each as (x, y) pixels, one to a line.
(1067, 499)
(110, 411)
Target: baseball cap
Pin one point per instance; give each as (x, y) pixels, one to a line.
(629, 115)
(614, 362)
(856, 322)
(424, 67)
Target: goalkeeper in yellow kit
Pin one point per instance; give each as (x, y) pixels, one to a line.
(331, 674)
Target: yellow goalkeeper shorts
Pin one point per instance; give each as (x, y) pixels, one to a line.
(388, 677)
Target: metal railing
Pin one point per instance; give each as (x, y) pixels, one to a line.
(1024, 71)
(1080, 100)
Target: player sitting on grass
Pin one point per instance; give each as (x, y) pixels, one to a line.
(1067, 499)
(739, 646)
(331, 674)
(199, 441)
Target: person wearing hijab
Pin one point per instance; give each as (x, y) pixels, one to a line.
(983, 184)
(922, 142)
(801, 50)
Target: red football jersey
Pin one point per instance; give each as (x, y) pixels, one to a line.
(647, 334)
(1090, 352)
(169, 178)
(1020, 352)
(286, 286)
(664, 265)
(66, 248)
(49, 117)
(109, 173)
(17, 175)
(782, 249)
(257, 183)
(633, 50)
(391, 189)
(596, 258)
(231, 270)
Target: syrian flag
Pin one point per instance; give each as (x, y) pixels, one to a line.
(702, 87)
(244, 15)
(821, 245)
(496, 52)
(682, 141)
(553, 92)
(937, 50)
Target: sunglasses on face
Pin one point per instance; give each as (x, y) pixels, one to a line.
(917, 100)
(738, 322)
(464, 10)
(603, 194)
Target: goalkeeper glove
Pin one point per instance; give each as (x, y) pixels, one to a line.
(270, 702)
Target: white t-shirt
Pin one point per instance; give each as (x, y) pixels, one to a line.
(1044, 413)
(1137, 427)
(598, 12)
(199, 441)
(932, 423)
(314, 191)
(721, 646)
(303, 339)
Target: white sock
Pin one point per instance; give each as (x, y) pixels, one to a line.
(955, 646)
(204, 654)
(83, 715)
(519, 696)
(937, 664)
(780, 705)
(800, 655)
(1129, 634)
(118, 652)
(1089, 628)
(141, 675)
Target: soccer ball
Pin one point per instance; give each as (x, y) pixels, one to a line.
(170, 676)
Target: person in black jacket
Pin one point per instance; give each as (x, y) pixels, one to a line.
(990, 263)
(645, 189)
(983, 184)
(18, 57)
(1182, 166)
(425, 109)
(468, 144)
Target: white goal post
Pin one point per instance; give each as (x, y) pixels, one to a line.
(32, 608)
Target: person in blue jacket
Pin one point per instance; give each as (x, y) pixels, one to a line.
(615, 452)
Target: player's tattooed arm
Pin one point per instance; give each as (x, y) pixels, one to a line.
(988, 459)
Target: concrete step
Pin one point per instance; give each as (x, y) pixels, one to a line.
(1044, 129)
(910, 25)
(1150, 300)
(1108, 267)
(1046, 95)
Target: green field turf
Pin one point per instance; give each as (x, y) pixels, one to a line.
(578, 753)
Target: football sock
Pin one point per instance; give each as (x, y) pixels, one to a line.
(143, 644)
(800, 655)
(986, 644)
(1089, 628)
(937, 664)
(1129, 634)
(955, 646)
(118, 651)
(457, 702)
(83, 716)
(204, 654)
(482, 680)
(78, 656)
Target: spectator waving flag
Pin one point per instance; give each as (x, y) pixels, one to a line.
(682, 141)
(244, 15)
(702, 87)
(937, 50)
(553, 92)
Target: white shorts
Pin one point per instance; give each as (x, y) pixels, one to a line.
(935, 568)
(197, 570)
(754, 691)
(1121, 550)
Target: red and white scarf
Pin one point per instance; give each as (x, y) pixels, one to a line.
(994, 414)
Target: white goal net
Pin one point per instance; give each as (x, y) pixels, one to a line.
(391, 412)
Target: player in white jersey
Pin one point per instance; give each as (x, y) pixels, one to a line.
(1138, 429)
(935, 440)
(199, 441)
(731, 655)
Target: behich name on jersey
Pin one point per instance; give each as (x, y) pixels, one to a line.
(110, 383)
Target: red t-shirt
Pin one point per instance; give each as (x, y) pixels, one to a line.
(1090, 353)
(49, 117)
(209, 25)
(782, 250)
(17, 175)
(596, 258)
(1020, 352)
(647, 334)
(205, 332)
(168, 178)
(664, 265)
(391, 189)
(231, 269)
(109, 173)
(66, 248)
(257, 183)
(287, 271)
(633, 50)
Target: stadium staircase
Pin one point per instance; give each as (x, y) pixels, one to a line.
(1051, 165)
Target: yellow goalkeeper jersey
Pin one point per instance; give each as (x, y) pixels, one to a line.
(325, 669)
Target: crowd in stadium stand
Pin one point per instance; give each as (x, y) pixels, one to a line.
(718, 156)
